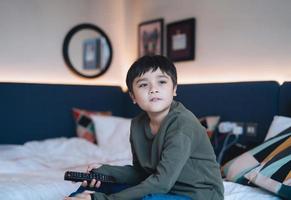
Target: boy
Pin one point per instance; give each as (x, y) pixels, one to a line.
(172, 155)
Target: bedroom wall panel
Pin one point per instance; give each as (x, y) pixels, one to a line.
(39, 111)
(285, 99)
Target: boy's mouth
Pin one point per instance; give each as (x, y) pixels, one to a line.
(155, 99)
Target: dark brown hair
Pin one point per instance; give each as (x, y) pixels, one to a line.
(146, 63)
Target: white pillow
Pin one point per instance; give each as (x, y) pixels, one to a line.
(279, 124)
(112, 132)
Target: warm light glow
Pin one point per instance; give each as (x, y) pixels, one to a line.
(61, 76)
(186, 75)
(59, 83)
(205, 74)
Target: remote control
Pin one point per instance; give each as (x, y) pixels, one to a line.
(83, 176)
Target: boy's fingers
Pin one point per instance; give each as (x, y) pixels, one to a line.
(92, 183)
(92, 166)
(89, 168)
(98, 184)
(84, 183)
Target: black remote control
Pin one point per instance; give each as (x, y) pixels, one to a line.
(83, 176)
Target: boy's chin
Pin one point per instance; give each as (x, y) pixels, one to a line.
(157, 109)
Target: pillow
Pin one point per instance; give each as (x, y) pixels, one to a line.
(84, 125)
(274, 174)
(278, 124)
(235, 169)
(112, 132)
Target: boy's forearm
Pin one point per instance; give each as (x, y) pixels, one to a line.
(123, 174)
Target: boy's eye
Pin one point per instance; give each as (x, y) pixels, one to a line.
(142, 85)
(162, 81)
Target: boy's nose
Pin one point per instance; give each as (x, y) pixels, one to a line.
(153, 90)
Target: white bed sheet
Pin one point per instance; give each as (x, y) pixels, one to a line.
(35, 170)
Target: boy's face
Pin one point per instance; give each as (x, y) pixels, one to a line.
(153, 91)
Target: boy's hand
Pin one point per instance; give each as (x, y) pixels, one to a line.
(82, 196)
(92, 166)
(93, 183)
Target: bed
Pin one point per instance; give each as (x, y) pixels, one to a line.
(38, 132)
(29, 173)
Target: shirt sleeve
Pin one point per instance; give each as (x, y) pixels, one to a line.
(129, 174)
(123, 174)
(176, 151)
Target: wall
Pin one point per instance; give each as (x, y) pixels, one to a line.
(237, 40)
(32, 33)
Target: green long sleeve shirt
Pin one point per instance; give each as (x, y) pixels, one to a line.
(179, 159)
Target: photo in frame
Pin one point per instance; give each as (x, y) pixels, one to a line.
(91, 53)
(150, 37)
(181, 40)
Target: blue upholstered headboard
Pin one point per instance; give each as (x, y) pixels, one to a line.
(285, 99)
(39, 111)
(247, 102)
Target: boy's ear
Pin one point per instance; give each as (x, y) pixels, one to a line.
(175, 91)
(132, 97)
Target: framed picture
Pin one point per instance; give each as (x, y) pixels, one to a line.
(91, 53)
(150, 37)
(181, 40)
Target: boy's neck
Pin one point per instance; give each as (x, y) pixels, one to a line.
(156, 120)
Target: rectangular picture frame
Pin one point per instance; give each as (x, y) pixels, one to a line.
(181, 40)
(91, 53)
(150, 37)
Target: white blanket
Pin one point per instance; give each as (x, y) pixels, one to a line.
(35, 170)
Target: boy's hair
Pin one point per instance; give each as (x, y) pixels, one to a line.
(146, 63)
